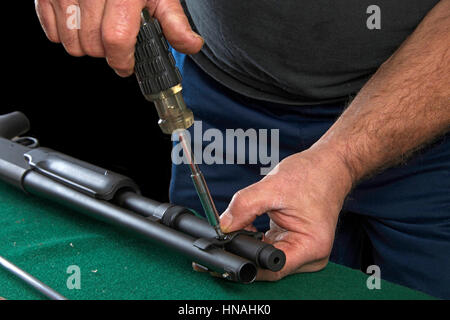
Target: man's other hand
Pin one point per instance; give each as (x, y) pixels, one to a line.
(303, 197)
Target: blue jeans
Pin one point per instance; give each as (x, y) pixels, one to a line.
(398, 220)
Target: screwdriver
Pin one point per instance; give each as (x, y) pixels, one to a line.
(160, 82)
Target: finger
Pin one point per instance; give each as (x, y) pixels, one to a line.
(47, 19)
(67, 20)
(120, 27)
(175, 25)
(246, 205)
(275, 232)
(90, 28)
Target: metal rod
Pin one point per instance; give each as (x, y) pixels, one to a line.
(30, 280)
(201, 187)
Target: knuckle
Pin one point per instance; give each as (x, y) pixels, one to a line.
(75, 52)
(119, 65)
(59, 4)
(72, 47)
(239, 200)
(114, 38)
(63, 3)
(91, 43)
(39, 3)
(53, 38)
(93, 51)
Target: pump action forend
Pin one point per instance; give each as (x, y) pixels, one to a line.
(116, 199)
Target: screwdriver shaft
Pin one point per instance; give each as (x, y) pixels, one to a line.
(201, 186)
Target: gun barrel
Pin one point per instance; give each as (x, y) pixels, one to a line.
(230, 265)
(263, 254)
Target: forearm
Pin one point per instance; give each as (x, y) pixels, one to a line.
(404, 105)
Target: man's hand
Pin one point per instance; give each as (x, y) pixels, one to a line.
(303, 198)
(108, 28)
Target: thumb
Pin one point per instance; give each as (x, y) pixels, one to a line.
(176, 27)
(246, 205)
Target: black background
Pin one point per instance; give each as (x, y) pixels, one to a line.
(79, 106)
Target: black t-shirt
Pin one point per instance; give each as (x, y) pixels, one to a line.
(300, 51)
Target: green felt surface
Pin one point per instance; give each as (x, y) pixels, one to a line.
(45, 239)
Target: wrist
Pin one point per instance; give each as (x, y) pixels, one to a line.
(333, 162)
